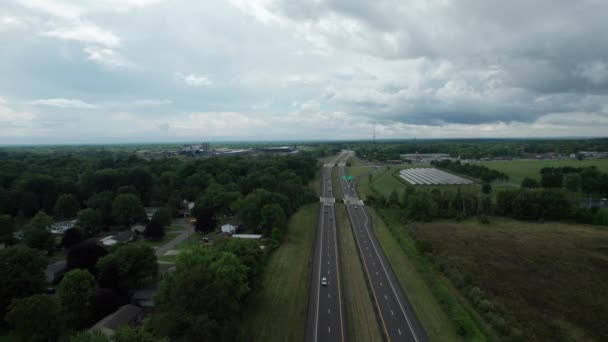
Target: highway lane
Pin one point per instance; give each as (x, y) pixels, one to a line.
(397, 318)
(325, 321)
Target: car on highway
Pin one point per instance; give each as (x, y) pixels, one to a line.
(324, 281)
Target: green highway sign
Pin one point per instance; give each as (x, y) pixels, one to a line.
(348, 177)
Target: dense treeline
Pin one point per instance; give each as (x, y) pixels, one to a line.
(525, 204)
(477, 171)
(474, 148)
(587, 180)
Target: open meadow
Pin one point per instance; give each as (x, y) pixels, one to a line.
(549, 279)
(517, 170)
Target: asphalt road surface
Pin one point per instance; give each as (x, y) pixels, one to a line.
(397, 318)
(326, 320)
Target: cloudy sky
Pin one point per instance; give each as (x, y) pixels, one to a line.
(92, 71)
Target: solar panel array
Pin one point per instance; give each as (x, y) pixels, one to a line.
(429, 176)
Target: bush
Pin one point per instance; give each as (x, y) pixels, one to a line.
(483, 219)
(485, 305)
(71, 237)
(154, 230)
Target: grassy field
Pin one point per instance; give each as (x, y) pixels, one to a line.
(336, 187)
(360, 315)
(549, 279)
(357, 171)
(435, 321)
(517, 170)
(384, 182)
(277, 310)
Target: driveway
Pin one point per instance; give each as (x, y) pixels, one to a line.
(184, 235)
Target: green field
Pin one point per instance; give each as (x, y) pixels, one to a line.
(435, 321)
(517, 170)
(361, 318)
(550, 280)
(277, 310)
(360, 171)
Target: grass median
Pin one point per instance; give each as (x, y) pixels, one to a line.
(361, 319)
(276, 311)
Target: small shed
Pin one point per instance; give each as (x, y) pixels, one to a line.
(247, 236)
(55, 271)
(126, 315)
(229, 228)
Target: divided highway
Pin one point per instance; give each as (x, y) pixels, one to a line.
(326, 320)
(397, 318)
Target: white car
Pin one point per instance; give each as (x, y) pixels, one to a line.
(324, 281)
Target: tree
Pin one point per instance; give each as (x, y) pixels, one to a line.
(66, 206)
(35, 318)
(205, 221)
(163, 216)
(188, 313)
(90, 220)
(135, 265)
(154, 230)
(420, 207)
(21, 274)
(85, 256)
(572, 182)
(75, 292)
(127, 209)
(102, 202)
(529, 183)
(104, 302)
(36, 234)
(72, 237)
(272, 216)
(486, 188)
(6, 229)
(249, 252)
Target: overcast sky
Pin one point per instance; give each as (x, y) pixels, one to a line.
(91, 71)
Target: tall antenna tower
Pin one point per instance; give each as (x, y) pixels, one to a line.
(374, 136)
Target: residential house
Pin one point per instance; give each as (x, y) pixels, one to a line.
(61, 226)
(126, 315)
(124, 236)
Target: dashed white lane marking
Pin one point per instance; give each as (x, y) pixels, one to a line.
(328, 310)
(329, 330)
(385, 297)
(380, 283)
(376, 272)
(399, 330)
(329, 295)
(392, 313)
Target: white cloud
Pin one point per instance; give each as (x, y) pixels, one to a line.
(85, 33)
(13, 123)
(63, 103)
(149, 103)
(194, 80)
(108, 57)
(10, 23)
(72, 9)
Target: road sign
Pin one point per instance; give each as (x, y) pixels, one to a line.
(348, 177)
